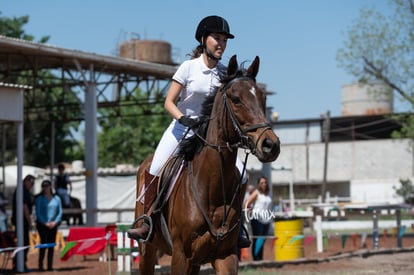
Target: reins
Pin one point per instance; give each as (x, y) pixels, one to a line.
(245, 143)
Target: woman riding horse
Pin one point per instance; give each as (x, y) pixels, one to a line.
(198, 219)
(194, 80)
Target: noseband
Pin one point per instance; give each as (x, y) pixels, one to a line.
(246, 141)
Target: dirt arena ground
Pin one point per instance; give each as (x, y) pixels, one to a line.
(336, 259)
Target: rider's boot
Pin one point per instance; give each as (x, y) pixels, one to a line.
(243, 240)
(151, 183)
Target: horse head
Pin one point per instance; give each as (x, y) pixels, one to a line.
(245, 107)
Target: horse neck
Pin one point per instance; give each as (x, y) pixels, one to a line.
(222, 153)
(218, 181)
(224, 139)
(221, 131)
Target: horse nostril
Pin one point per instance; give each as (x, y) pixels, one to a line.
(267, 145)
(270, 147)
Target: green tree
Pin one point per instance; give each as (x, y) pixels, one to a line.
(132, 135)
(381, 47)
(60, 111)
(13, 27)
(406, 191)
(38, 121)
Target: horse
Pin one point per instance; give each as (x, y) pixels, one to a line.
(199, 221)
(74, 216)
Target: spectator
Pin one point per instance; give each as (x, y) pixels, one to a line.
(61, 185)
(261, 204)
(28, 200)
(48, 218)
(249, 190)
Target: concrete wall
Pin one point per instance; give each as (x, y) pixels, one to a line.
(371, 167)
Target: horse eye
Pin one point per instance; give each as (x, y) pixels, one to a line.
(235, 100)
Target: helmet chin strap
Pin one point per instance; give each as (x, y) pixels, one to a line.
(208, 53)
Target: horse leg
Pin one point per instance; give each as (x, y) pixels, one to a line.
(195, 269)
(148, 259)
(181, 265)
(227, 265)
(80, 219)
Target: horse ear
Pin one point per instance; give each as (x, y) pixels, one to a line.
(254, 68)
(233, 66)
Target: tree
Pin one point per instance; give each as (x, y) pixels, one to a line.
(381, 47)
(61, 117)
(132, 135)
(406, 191)
(13, 27)
(38, 124)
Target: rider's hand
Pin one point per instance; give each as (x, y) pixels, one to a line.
(188, 121)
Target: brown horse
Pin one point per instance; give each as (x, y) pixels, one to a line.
(200, 221)
(72, 217)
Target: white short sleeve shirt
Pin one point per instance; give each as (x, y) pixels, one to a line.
(198, 82)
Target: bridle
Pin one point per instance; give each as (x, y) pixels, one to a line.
(246, 142)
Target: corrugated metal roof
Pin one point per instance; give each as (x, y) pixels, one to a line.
(2, 84)
(17, 54)
(362, 127)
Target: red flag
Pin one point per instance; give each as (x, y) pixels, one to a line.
(85, 241)
(83, 247)
(65, 255)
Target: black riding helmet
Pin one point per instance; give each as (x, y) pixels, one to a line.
(211, 24)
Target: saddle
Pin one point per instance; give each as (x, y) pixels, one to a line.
(168, 178)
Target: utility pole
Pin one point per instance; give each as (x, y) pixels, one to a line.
(326, 131)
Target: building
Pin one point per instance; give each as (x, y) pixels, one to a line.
(351, 157)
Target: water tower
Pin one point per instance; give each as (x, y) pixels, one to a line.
(155, 51)
(374, 98)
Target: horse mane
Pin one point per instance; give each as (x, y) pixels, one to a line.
(191, 146)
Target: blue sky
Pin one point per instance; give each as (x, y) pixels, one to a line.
(296, 40)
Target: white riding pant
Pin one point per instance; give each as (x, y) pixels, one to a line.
(168, 146)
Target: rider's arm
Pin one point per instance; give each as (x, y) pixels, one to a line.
(41, 213)
(58, 217)
(26, 214)
(170, 103)
(252, 198)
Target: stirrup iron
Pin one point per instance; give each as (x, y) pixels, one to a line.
(148, 220)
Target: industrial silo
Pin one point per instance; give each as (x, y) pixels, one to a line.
(366, 99)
